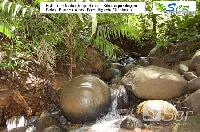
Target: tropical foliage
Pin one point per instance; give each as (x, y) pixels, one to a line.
(46, 37)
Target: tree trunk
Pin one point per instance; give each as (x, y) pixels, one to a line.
(154, 23)
(154, 27)
(70, 53)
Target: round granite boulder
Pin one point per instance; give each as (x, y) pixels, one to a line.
(85, 98)
(154, 82)
(195, 63)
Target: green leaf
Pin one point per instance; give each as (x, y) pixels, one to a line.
(5, 29)
(3, 4)
(94, 23)
(80, 17)
(9, 6)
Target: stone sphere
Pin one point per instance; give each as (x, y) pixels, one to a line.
(85, 98)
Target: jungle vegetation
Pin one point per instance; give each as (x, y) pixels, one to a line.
(26, 33)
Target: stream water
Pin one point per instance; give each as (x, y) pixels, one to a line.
(111, 121)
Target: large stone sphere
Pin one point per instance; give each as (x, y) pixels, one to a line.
(85, 98)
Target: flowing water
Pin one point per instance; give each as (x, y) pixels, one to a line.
(108, 123)
(111, 121)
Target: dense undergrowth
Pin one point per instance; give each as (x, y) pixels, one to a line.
(28, 35)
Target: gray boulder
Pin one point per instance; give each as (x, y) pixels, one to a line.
(143, 61)
(194, 84)
(154, 82)
(189, 75)
(181, 68)
(131, 122)
(110, 74)
(127, 68)
(192, 102)
(195, 63)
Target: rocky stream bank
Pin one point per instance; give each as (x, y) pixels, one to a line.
(155, 93)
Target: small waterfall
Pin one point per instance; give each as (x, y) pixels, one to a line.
(113, 119)
(16, 122)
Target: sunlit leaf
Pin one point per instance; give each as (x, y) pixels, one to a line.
(17, 8)
(24, 11)
(5, 30)
(31, 11)
(9, 6)
(3, 4)
(94, 23)
(80, 17)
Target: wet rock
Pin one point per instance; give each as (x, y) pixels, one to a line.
(157, 110)
(131, 122)
(153, 52)
(174, 53)
(128, 68)
(120, 95)
(192, 102)
(85, 98)
(109, 74)
(177, 55)
(62, 120)
(116, 80)
(154, 82)
(143, 61)
(158, 61)
(127, 79)
(157, 52)
(186, 63)
(31, 129)
(195, 63)
(32, 120)
(184, 55)
(194, 84)
(130, 60)
(189, 76)
(127, 82)
(170, 58)
(190, 46)
(54, 129)
(181, 68)
(116, 66)
(46, 120)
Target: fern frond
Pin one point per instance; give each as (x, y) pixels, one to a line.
(106, 47)
(46, 55)
(13, 9)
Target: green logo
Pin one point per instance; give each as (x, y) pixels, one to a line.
(174, 6)
(160, 7)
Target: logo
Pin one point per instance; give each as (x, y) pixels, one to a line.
(157, 115)
(174, 7)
